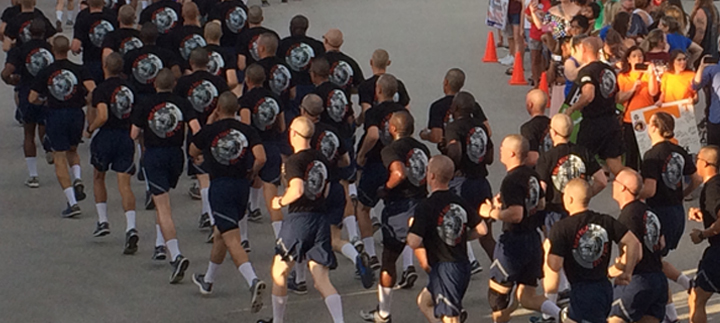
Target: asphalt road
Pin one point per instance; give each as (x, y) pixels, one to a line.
(53, 270)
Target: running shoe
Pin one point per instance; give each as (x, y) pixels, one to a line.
(475, 267)
(374, 263)
(79, 189)
(205, 287)
(71, 211)
(374, 316)
(246, 245)
(408, 278)
(160, 253)
(149, 202)
(254, 215)
(256, 291)
(358, 244)
(32, 182)
(194, 191)
(297, 288)
(204, 221)
(362, 264)
(101, 229)
(180, 265)
(131, 241)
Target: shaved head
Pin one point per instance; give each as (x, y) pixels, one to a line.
(442, 167)
(334, 37)
(299, 25)
(96, 4)
(562, 124)
(579, 190)
(536, 101)
(165, 80)
(303, 126)
(199, 58)
(320, 67)
(213, 31)
(710, 154)
(592, 44)
(455, 78)
(228, 103)
(380, 58)
(464, 103)
(255, 14)
(517, 144)
(190, 11)
(403, 122)
(114, 63)
(630, 180)
(255, 74)
(388, 85)
(60, 45)
(313, 104)
(269, 41)
(126, 15)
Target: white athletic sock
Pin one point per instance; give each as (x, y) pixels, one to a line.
(144, 4)
(300, 272)
(130, 220)
(548, 307)
(278, 304)
(352, 189)
(684, 281)
(407, 255)
(174, 249)
(384, 300)
(210, 273)
(552, 297)
(102, 212)
(138, 149)
(255, 198)
(349, 252)
(70, 14)
(564, 283)
(205, 197)
(77, 173)
(58, 14)
(334, 305)
(470, 252)
(350, 223)
(670, 313)
(247, 272)
(369, 243)
(159, 239)
(243, 225)
(277, 225)
(70, 195)
(212, 219)
(32, 166)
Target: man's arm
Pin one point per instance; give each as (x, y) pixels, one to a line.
(76, 46)
(344, 160)
(454, 151)
(101, 116)
(232, 80)
(194, 151)
(365, 106)
(434, 135)
(135, 132)
(695, 181)
(245, 116)
(599, 181)
(294, 192)
(396, 176)
(371, 138)
(513, 214)
(478, 231)
(106, 52)
(241, 61)
(415, 242)
(194, 126)
(649, 188)
(630, 251)
(7, 72)
(587, 96)
(34, 97)
(260, 158)
(700, 23)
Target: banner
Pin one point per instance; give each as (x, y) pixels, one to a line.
(497, 14)
(686, 130)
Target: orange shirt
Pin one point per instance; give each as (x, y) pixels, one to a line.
(677, 86)
(641, 98)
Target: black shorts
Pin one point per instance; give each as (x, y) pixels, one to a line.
(192, 168)
(518, 259)
(163, 167)
(113, 149)
(708, 275)
(270, 173)
(591, 301)
(395, 223)
(447, 283)
(602, 136)
(64, 128)
(306, 236)
(373, 177)
(473, 190)
(228, 201)
(30, 113)
(335, 203)
(646, 295)
(672, 225)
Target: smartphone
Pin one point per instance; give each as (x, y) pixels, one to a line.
(710, 60)
(641, 66)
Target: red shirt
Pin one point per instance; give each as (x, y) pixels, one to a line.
(544, 7)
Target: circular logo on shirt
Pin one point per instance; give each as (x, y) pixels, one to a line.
(264, 113)
(590, 245)
(235, 19)
(328, 144)
(336, 105)
(146, 68)
(476, 145)
(416, 165)
(384, 130)
(652, 231)
(608, 83)
(24, 33)
(189, 43)
(165, 19)
(203, 96)
(253, 47)
(567, 168)
(229, 147)
(315, 178)
(165, 119)
(98, 31)
(298, 56)
(63, 84)
(216, 63)
(129, 44)
(533, 195)
(279, 79)
(546, 144)
(121, 102)
(672, 170)
(110, 4)
(341, 73)
(38, 59)
(452, 224)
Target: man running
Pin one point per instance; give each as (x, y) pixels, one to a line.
(366, 90)
(247, 41)
(442, 225)
(344, 70)
(222, 62)
(232, 15)
(65, 85)
(93, 24)
(232, 154)
(126, 37)
(166, 15)
(537, 129)
(187, 37)
(17, 30)
(278, 77)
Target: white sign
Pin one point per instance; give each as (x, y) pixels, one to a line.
(686, 131)
(497, 13)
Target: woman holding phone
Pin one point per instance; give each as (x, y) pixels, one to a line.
(676, 82)
(638, 87)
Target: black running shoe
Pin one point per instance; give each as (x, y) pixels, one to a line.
(246, 245)
(362, 266)
(205, 287)
(358, 244)
(254, 215)
(71, 211)
(101, 229)
(265, 3)
(149, 202)
(374, 263)
(270, 320)
(297, 288)
(408, 278)
(204, 221)
(210, 238)
(475, 267)
(160, 253)
(256, 291)
(79, 189)
(131, 241)
(141, 173)
(194, 192)
(180, 265)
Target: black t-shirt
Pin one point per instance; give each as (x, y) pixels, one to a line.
(142, 66)
(227, 148)
(247, 43)
(91, 28)
(232, 15)
(366, 92)
(62, 84)
(344, 71)
(119, 98)
(537, 132)
(278, 77)
(114, 5)
(645, 224)
(521, 187)
(165, 14)
(379, 116)
(443, 221)
(327, 140)
(10, 12)
(184, 39)
(298, 51)
(220, 60)
(18, 27)
(561, 164)
(472, 135)
(603, 77)
(710, 205)
(264, 108)
(202, 90)
(440, 114)
(312, 168)
(667, 163)
(122, 40)
(337, 107)
(163, 117)
(204, 6)
(584, 241)
(30, 58)
(414, 155)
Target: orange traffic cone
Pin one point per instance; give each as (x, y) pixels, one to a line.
(518, 74)
(543, 85)
(490, 52)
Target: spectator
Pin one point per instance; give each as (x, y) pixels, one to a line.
(579, 25)
(535, 12)
(704, 29)
(676, 40)
(655, 48)
(707, 77)
(676, 82)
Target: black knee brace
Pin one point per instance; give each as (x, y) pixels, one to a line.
(499, 295)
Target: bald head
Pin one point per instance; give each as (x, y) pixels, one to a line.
(312, 104)
(334, 38)
(165, 80)
(255, 75)
(303, 126)
(255, 15)
(442, 168)
(387, 85)
(320, 67)
(267, 44)
(562, 124)
(455, 79)
(126, 15)
(463, 103)
(403, 123)
(516, 144)
(228, 104)
(213, 32)
(578, 191)
(592, 45)
(710, 155)
(630, 180)
(299, 25)
(536, 101)
(380, 59)
(190, 11)
(61, 45)
(113, 64)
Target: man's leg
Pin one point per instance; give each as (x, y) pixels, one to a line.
(280, 271)
(366, 229)
(697, 301)
(529, 299)
(167, 226)
(204, 182)
(59, 8)
(232, 239)
(30, 151)
(100, 194)
(349, 219)
(503, 301)
(74, 163)
(128, 199)
(217, 256)
(426, 305)
(321, 277)
(270, 190)
(70, 11)
(487, 242)
(388, 275)
(63, 176)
